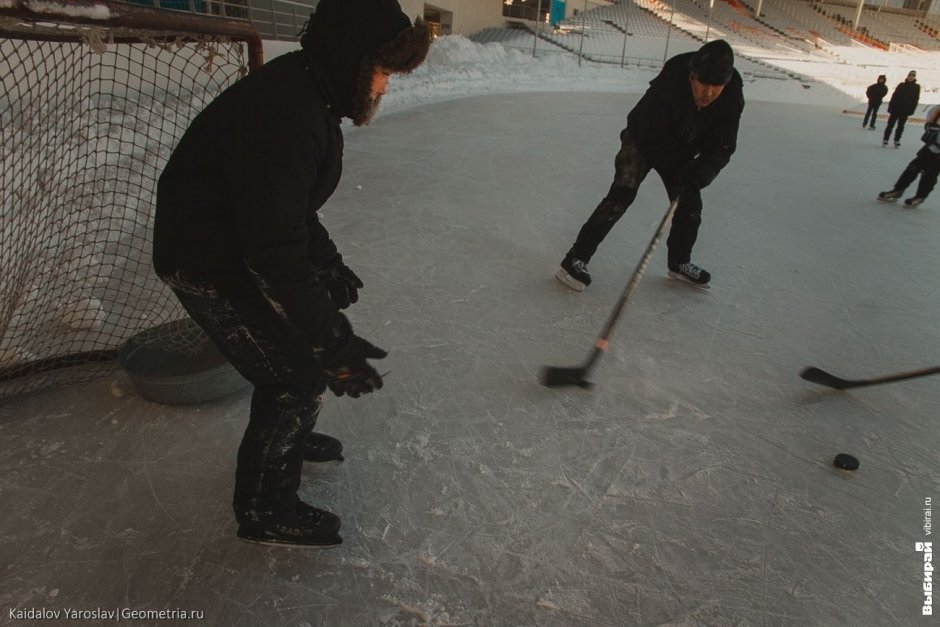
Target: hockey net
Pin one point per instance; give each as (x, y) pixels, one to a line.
(95, 95)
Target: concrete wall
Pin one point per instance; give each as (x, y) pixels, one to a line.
(468, 16)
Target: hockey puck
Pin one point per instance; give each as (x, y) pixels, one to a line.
(845, 462)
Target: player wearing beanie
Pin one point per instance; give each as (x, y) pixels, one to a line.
(902, 105)
(685, 127)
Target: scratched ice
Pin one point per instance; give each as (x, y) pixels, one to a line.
(693, 485)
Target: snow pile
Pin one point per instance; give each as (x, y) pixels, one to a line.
(95, 11)
(457, 67)
(457, 50)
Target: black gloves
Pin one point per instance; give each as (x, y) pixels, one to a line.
(345, 364)
(341, 282)
(697, 175)
(344, 358)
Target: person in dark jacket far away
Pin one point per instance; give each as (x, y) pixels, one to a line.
(876, 93)
(685, 127)
(902, 105)
(237, 238)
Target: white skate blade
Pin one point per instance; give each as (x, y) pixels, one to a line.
(291, 545)
(678, 276)
(566, 279)
(269, 539)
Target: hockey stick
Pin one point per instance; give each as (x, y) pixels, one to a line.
(554, 377)
(815, 375)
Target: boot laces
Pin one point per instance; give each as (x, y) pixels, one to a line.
(690, 269)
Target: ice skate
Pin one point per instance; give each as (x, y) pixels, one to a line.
(690, 273)
(573, 273)
(322, 448)
(914, 201)
(890, 195)
(300, 525)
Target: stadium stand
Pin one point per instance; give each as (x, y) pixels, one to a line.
(791, 39)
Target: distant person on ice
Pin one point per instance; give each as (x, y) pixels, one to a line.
(902, 105)
(238, 239)
(926, 164)
(876, 93)
(685, 127)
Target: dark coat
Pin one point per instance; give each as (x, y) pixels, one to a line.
(876, 92)
(904, 99)
(672, 132)
(237, 202)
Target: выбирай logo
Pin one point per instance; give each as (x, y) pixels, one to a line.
(927, 549)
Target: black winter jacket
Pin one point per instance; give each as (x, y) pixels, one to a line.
(904, 99)
(237, 202)
(876, 92)
(672, 132)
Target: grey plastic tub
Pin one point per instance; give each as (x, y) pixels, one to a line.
(177, 364)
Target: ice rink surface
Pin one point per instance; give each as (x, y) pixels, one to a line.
(693, 485)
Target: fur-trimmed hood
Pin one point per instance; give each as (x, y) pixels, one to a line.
(350, 38)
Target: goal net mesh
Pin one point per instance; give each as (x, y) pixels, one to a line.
(89, 115)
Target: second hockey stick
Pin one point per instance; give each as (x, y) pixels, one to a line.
(554, 376)
(821, 377)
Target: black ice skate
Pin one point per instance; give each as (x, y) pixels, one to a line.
(690, 273)
(897, 144)
(322, 448)
(884, 142)
(573, 273)
(299, 525)
(913, 201)
(890, 195)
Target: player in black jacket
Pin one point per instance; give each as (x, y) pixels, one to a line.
(902, 105)
(238, 239)
(876, 93)
(685, 127)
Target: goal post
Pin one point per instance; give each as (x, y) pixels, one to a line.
(94, 96)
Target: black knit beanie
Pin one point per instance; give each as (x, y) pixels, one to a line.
(350, 38)
(713, 64)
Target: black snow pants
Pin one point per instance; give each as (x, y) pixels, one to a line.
(871, 114)
(927, 165)
(288, 387)
(900, 120)
(630, 168)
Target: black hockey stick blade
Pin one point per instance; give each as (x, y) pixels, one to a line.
(556, 377)
(821, 377)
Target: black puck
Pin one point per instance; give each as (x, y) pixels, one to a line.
(845, 462)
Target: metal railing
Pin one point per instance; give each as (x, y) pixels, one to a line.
(273, 19)
(280, 19)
